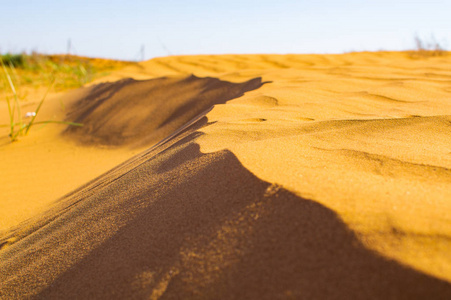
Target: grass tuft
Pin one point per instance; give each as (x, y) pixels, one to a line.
(427, 47)
(58, 72)
(37, 70)
(16, 125)
(17, 60)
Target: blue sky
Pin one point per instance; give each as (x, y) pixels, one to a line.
(118, 29)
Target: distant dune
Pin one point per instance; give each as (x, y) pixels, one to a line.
(236, 177)
(145, 112)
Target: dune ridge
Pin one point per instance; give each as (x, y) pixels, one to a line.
(209, 235)
(332, 180)
(145, 112)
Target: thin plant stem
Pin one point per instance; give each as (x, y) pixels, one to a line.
(27, 128)
(46, 122)
(11, 110)
(15, 76)
(59, 122)
(11, 117)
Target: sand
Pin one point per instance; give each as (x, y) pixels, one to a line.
(236, 176)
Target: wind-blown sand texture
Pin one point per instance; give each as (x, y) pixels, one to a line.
(248, 177)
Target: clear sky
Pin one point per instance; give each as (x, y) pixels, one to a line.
(119, 29)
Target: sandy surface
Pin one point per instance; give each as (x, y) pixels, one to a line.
(236, 176)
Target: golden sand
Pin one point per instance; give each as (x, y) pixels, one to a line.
(267, 176)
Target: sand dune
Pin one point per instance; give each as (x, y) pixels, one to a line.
(267, 176)
(218, 232)
(145, 112)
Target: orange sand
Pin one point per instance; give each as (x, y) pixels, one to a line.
(278, 176)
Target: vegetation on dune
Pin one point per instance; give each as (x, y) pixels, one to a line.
(67, 71)
(23, 71)
(17, 125)
(427, 47)
(16, 60)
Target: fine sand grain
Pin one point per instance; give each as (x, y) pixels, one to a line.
(237, 177)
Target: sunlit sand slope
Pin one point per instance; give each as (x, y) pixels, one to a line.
(330, 180)
(181, 224)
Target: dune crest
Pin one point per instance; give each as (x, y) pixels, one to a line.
(212, 230)
(144, 112)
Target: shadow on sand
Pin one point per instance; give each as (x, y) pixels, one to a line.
(222, 233)
(143, 112)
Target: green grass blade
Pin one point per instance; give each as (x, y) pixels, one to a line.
(16, 99)
(38, 108)
(59, 122)
(11, 116)
(10, 109)
(8, 77)
(15, 135)
(45, 122)
(14, 74)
